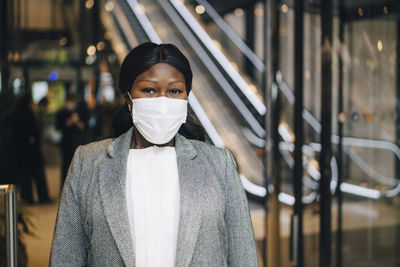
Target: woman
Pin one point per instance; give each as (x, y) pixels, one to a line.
(151, 197)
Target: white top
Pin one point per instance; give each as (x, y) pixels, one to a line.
(152, 195)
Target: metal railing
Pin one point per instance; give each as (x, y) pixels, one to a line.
(11, 223)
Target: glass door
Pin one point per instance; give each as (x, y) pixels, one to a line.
(369, 232)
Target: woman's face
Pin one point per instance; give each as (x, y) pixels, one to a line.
(160, 80)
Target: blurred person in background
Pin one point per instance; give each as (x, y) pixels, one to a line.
(151, 197)
(72, 121)
(21, 150)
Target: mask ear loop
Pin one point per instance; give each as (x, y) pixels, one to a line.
(130, 98)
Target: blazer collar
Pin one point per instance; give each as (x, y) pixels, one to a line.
(120, 146)
(112, 189)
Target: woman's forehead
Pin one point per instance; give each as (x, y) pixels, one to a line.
(161, 70)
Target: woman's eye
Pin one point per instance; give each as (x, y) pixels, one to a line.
(148, 90)
(175, 91)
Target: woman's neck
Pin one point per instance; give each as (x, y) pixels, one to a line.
(139, 142)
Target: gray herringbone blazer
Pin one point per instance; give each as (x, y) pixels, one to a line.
(92, 227)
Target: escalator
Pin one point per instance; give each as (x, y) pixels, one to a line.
(234, 103)
(385, 186)
(223, 118)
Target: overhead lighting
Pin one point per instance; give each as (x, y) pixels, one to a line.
(91, 50)
(284, 8)
(89, 4)
(342, 117)
(109, 6)
(200, 9)
(379, 46)
(63, 41)
(239, 12)
(53, 76)
(100, 45)
(17, 82)
(90, 60)
(17, 56)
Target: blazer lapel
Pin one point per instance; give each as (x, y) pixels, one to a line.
(112, 190)
(191, 181)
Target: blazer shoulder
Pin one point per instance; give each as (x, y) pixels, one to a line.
(96, 148)
(91, 153)
(209, 149)
(219, 158)
(85, 158)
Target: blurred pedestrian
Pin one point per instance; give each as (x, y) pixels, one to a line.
(72, 121)
(21, 145)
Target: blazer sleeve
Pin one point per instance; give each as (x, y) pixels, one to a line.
(242, 247)
(69, 246)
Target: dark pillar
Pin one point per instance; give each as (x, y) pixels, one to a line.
(5, 72)
(250, 30)
(266, 86)
(82, 49)
(273, 244)
(96, 34)
(398, 95)
(297, 234)
(27, 84)
(17, 29)
(326, 133)
(339, 194)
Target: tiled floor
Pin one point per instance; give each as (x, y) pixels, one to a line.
(38, 246)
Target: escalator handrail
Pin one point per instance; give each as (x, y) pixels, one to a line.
(215, 137)
(227, 29)
(251, 94)
(206, 122)
(144, 21)
(349, 141)
(214, 71)
(352, 141)
(193, 102)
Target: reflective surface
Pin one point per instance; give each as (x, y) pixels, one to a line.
(366, 56)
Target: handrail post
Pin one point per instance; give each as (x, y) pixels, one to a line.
(11, 223)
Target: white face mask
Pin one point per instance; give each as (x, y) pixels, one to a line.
(158, 119)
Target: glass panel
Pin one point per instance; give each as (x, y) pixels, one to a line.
(371, 214)
(312, 81)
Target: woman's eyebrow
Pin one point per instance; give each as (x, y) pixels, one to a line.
(177, 81)
(147, 80)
